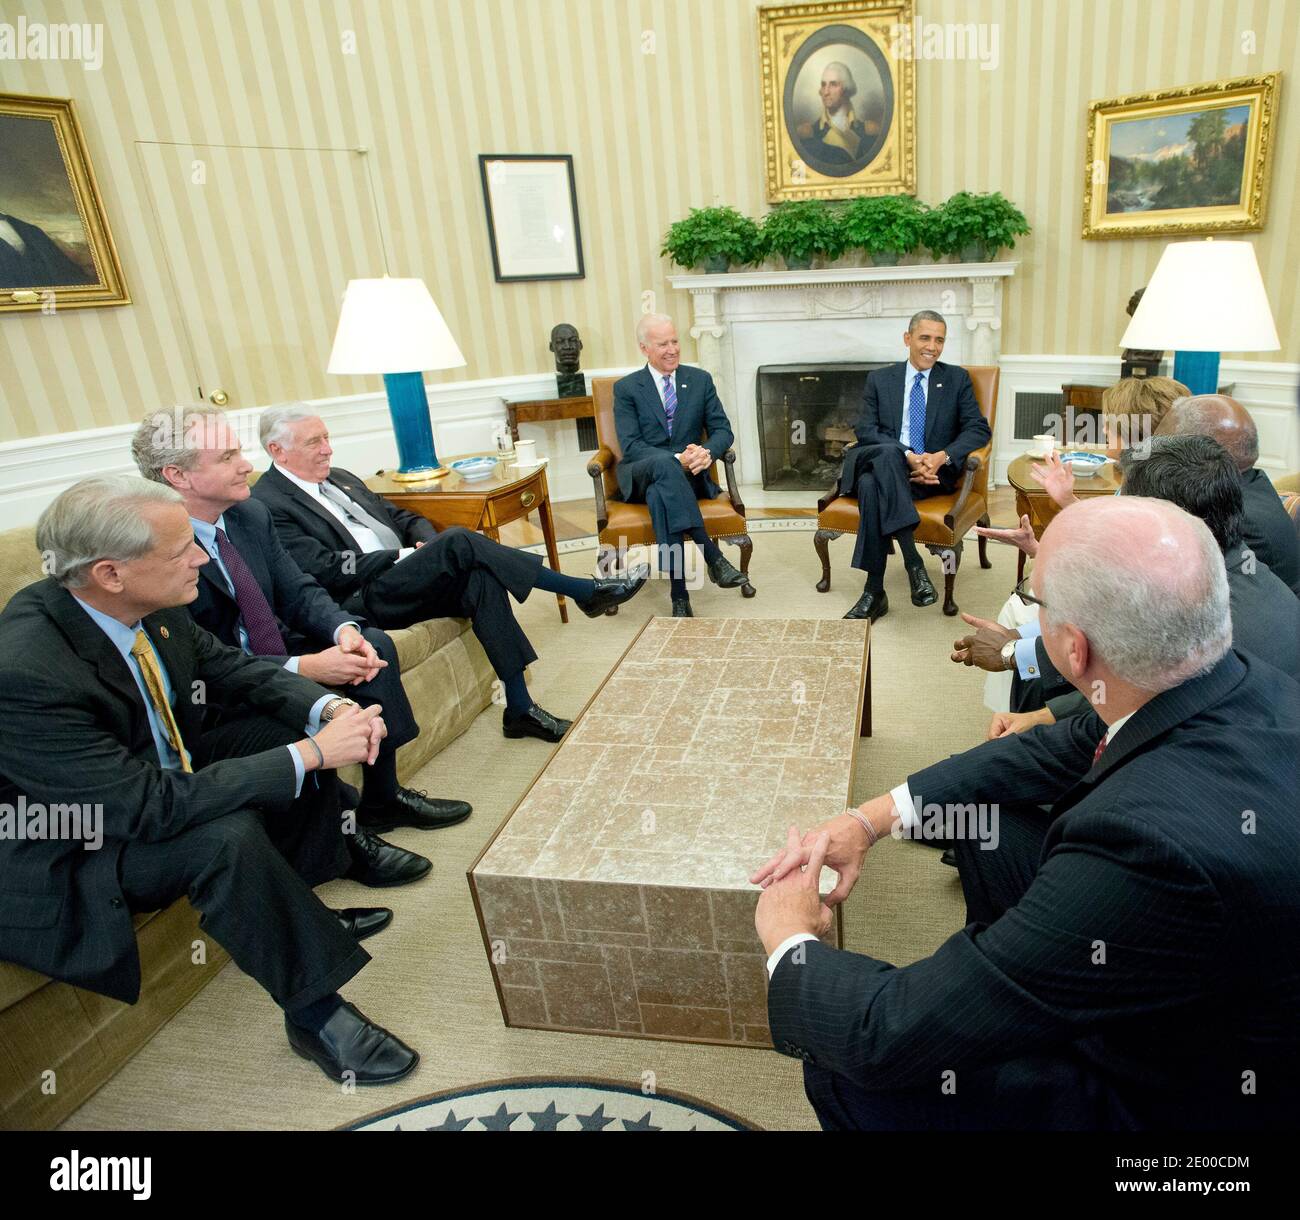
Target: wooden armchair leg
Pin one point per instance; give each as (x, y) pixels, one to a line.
(985, 562)
(820, 540)
(746, 545)
(950, 558)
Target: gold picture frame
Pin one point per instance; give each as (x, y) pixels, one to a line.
(56, 249)
(873, 152)
(1213, 140)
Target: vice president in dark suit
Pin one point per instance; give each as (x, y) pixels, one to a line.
(662, 413)
(1128, 958)
(252, 596)
(919, 423)
(105, 678)
(396, 568)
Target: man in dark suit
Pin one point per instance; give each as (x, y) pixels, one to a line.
(1112, 973)
(29, 258)
(660, 413)
(1196, 473)
(1269, 533)
(252, 596)
(396, 568)
(919, 423)
(106, 676)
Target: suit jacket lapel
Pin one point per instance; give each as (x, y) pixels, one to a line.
(940, 389)
(650, 393)
(299, 496)
(897, 388)
(684, 383)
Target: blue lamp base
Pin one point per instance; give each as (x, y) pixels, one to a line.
(409, 409)
(1198, 371)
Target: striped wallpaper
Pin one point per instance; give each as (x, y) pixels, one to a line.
(433, 83)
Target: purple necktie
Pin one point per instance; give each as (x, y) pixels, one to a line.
(264, 638)
(670, 400)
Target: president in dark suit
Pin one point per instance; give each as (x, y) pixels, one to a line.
(106, 676)
(672, 428)
(252, 596)
(395, 568)
(919, 423)
(1113, 973)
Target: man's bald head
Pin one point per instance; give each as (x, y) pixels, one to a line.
(1143, 581)
(1219, 417)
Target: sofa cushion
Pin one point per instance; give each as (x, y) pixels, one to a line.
(20, 562)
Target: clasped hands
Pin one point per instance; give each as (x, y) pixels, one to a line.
(925, 466)
(352, 735)
(695, 458)
(351, 661)
(791, 900)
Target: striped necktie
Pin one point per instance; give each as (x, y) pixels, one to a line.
(670, 399)
(143, 652)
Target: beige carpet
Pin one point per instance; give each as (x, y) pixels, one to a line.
(223, 1062)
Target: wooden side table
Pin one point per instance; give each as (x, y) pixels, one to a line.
(543, 410)
(1034, 502)
(484, 505)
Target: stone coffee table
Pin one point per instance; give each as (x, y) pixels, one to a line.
(615, 898)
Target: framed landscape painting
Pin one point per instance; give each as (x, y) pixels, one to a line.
(838, 99)
(56, 250)
(1181, 162)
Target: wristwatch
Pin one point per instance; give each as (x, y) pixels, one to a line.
(1009, 655)
(330, 710)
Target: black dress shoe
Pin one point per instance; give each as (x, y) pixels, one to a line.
(361, 922)
(682, 608)
(871, 606)
(614, 592)
(352, 1047)
(725, 575)
(535, 722)
(923, 593)
(949, 857)
(380, 864)
(413, 807)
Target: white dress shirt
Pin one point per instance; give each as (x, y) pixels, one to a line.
(659, 380)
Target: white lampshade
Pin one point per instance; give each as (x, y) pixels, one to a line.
(391, 326)
(1205, 296)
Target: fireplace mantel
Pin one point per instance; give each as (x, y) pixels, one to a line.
(741, 320)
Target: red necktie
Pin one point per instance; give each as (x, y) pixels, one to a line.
(1101, 746)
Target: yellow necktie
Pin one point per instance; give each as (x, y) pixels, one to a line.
(142, 650)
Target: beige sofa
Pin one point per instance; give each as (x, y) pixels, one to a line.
(83, 1038)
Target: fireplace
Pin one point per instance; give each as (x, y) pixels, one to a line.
(806, 414)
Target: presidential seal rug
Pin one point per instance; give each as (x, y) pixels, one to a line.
(547, 1104)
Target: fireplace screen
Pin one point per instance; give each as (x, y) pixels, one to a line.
(806, 414)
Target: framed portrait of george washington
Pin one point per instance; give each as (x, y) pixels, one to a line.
(56, 251)
(1181, 162)
(838, 99)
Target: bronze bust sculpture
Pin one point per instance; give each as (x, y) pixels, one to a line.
(1139, 361)
(567, 346)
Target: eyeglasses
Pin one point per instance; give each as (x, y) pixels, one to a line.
(1022, 592)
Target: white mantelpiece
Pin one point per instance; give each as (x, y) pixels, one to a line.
(743, 320)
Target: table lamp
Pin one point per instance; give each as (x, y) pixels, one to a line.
(1205, 297)
(393, 327)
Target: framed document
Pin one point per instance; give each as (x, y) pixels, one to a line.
(532, 217)
(56, 251)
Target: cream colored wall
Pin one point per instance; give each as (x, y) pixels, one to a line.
(435, 82)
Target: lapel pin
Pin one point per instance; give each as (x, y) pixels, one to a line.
(938, 385)
(166, 635)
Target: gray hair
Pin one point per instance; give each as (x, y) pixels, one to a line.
(161, 440)
(1152, 629)
(926, 315)
(846, 77)
(98, 519)
(275, 422)
(1201, 415)
(647, 320)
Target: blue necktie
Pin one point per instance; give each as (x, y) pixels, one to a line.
(916, 416)
(670, 400)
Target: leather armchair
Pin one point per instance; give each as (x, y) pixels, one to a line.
(621, 525)
(945, 520)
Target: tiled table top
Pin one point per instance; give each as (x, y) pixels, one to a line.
(705, 743)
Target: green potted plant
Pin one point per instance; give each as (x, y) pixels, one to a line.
(712, 239)
(801, 230)
(973, 227)
(885, 226)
